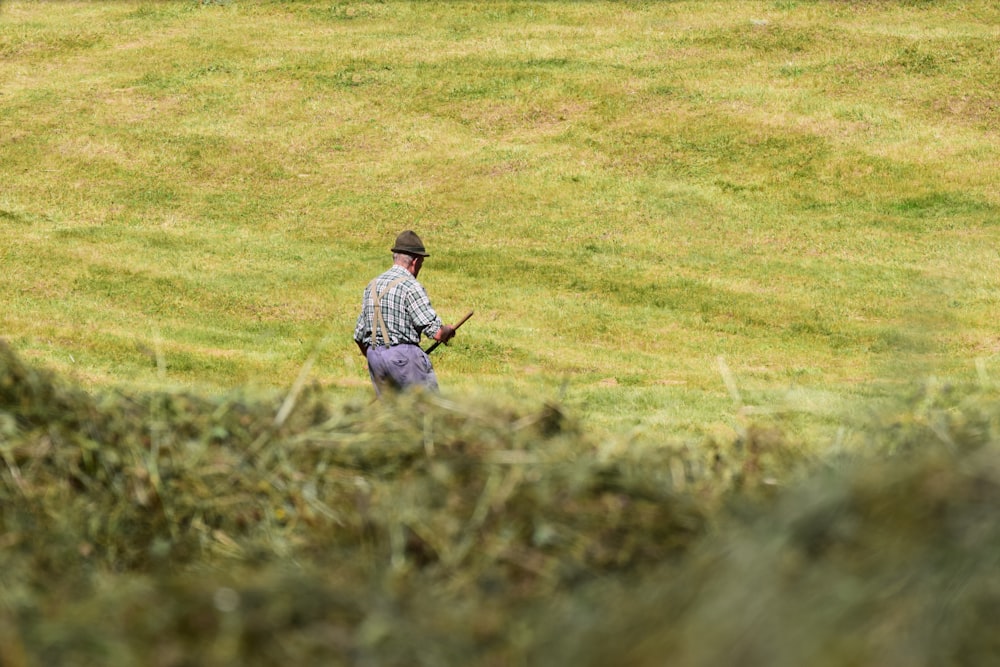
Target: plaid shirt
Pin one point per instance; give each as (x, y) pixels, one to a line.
(406, 310)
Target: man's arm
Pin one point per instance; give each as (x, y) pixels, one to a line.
(362, 330)
(424, 317)
(449, 332)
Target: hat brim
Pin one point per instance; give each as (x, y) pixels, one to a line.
(411, 251)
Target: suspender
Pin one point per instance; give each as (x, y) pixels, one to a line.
(377, 321)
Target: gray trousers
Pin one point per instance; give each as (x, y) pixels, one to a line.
(396, 368)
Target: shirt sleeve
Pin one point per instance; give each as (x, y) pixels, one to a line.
(422, 313)
(362, 329)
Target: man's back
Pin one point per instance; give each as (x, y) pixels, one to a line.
(395, 312)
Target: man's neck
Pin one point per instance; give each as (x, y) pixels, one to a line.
(407, 266)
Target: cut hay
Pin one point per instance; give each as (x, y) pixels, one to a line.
(174, 529)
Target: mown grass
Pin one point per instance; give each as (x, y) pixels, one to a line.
(624, 193)
(172, 528)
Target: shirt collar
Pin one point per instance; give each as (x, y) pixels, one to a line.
(400, 271)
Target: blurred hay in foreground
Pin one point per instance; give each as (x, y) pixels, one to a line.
(171, 529)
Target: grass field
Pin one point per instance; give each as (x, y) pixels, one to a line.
(730, 394)
(624, 192)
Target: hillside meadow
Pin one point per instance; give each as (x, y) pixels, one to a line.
(195, 194)
(729, 395)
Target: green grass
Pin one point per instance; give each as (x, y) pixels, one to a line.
(624, 192)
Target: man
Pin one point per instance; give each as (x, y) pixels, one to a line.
(395, 311)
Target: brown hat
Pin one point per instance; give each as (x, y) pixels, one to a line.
(409, 243)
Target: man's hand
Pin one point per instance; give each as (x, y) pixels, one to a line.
(363, 347)
(444, 334)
